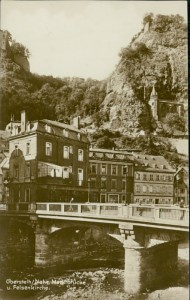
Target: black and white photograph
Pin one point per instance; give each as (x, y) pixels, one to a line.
(94, 170)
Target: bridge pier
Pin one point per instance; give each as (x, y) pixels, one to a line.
(148, 268)
(133, 266)
(42, 257)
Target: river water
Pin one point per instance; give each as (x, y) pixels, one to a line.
(91, 279)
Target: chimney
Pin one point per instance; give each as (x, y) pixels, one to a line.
(23, 121)
(76, 122)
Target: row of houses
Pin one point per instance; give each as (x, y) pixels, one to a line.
(49, 161)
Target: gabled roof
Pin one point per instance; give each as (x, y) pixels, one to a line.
(106, 154)
(60, 125)
(180, 169)
(152, 163)
(4, 164)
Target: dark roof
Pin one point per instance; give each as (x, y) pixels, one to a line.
(152, 163)
(60, 125)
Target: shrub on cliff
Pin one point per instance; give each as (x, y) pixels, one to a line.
(105, 142)
(174, 122)
(133, 53)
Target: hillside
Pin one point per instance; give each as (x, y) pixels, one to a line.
(156, 56)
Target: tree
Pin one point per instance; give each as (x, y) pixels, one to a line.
(19, 49)
(105, 142)
(174, 121)
(148, 18)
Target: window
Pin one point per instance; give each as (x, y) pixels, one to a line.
(137, 176)
(151, 177)
(80, 154)
(144, 188)
(157, 177)
(113, 184)
(103, 169)
(79, 136)
(66, 152)
(28, 169)
(151, 189)
(93, 168)
(113, 198)
(27, 148)
(80, 176)
(102, 198)
(16, 171)
(123, 198)
(27, 195)
(65, 172)
(125, 170)
(103, 183)
(144, 177)
(65, 132)
(164, 177)
(138, 188)
(71, 149)
(114, 170)
(48, 149)
(93, 183)
(169, 178)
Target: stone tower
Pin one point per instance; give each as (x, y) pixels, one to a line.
(153, 102)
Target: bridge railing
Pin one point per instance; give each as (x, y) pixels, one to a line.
(18, 207)
(150, 213)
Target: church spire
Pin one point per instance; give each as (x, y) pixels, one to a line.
(153, 93)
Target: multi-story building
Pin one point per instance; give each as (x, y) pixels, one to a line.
(153, 180)
(181, 181)
(48, 162)
(110, 176)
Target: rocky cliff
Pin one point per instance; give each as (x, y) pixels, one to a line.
(156, 56)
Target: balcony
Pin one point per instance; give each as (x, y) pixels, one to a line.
(55, 180)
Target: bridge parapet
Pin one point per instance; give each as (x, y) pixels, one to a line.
(172, 215)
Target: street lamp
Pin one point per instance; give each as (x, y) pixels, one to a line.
(126, 172)
(88, 190)
(177, 181)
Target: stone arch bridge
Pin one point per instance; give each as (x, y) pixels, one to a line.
(149, 235)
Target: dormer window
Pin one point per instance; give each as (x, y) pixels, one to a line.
(27, 148)
(48, 128)
(65, 132)
(16, 150)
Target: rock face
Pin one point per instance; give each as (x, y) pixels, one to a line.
(6, 50)
(156, 56)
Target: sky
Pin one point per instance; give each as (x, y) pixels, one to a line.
(78, 38)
